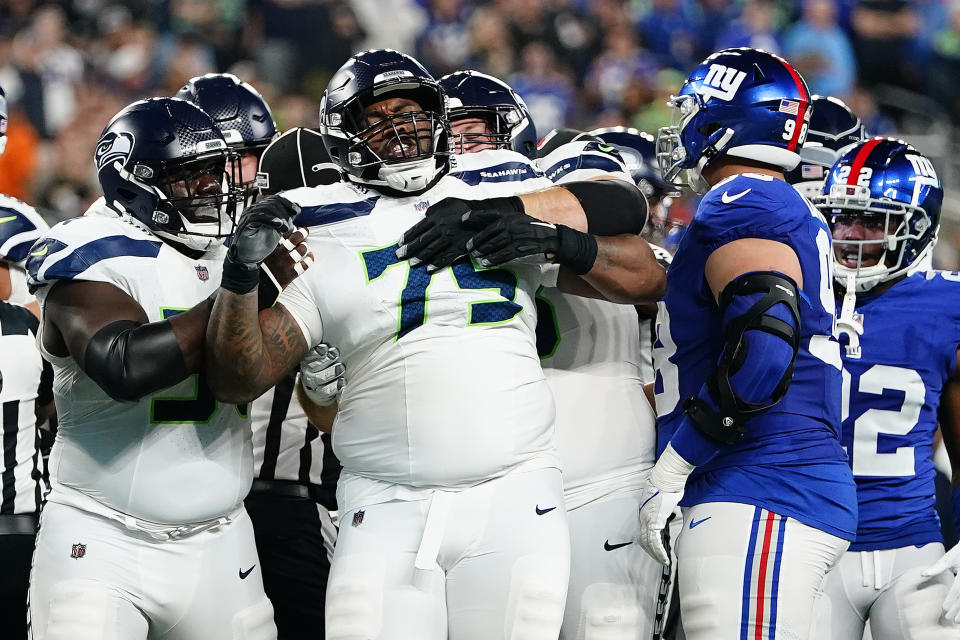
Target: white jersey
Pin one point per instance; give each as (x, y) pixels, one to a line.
(20, 227)
(177, 456)
(583, 160)
(445, 387)
(591, 355)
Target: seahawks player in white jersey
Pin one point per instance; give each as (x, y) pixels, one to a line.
(144, 534)
(882, 199)
(452, 518)
(20, 226)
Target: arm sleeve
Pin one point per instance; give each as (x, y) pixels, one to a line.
(300, 303)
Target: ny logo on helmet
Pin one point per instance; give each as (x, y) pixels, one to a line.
(721, 82)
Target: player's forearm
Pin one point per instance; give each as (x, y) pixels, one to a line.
(235, 355)
(555, 205)
(626, 271)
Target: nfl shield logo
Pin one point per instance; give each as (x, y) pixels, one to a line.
(202, 272)
(357, 518)
(78, 551)
(421, 206)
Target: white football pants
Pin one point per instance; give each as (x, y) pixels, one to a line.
(746, 573)
(617, 591)
(886, 588)
(125, 584)
(486, 563)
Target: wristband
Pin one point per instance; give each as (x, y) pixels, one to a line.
(576, 250)
(238, 279)
(671, 471)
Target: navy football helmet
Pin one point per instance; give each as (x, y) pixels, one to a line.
(3, 121)
(887, 186)
(833, 128)
(165, 162)
(472, 94)
(743, 103)
(639, 152)
(402, 145)
(241, 114)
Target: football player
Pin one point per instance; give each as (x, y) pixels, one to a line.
(453, 520)
(882, 201)
(20, 227)
(243, 117)
(748, 372)
(590, 352)
(144, 532)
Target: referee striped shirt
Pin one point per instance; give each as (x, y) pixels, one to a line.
(286, 446)
(27, 381)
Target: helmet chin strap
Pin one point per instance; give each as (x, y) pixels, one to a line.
(848, 323)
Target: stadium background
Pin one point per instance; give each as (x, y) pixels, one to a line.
(68, 66)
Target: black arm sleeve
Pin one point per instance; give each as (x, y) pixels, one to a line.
(130, 360)
(612, 207)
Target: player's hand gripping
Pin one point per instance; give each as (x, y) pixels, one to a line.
(949, 561)
(289, 260)
(257, 235)
(321, 374)
(441, 237)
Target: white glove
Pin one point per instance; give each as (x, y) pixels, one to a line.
(656, 507)
(321, 374)
(660, 497)
(950, 560)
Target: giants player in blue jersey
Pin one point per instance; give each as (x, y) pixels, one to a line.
(882, 200)
(748, 371)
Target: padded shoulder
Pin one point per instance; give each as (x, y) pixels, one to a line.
(20, 227)
(91, 247)
(583, 160)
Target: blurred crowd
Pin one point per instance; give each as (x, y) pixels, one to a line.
(68, 66)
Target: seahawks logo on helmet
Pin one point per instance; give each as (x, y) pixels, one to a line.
(114, 146)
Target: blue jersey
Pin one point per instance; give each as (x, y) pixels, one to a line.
(790, 461)
(908, 350)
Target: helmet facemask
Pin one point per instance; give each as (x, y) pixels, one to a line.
(495, 136)
(894, 223)
(399, 149)
(198, 192)
(677, 166)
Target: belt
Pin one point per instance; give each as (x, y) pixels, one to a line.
(290, 489)
(20, 524)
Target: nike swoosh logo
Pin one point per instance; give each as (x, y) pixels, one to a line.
(244, 574)
(610, 547)
(694, 523)
(41, 252)
(727, 199)
(540, 511)
(7, 219)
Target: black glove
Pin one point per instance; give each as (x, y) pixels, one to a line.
(257, 234)
(441, 237)
(517, 236)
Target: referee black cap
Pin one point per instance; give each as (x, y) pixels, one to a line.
(295, 159)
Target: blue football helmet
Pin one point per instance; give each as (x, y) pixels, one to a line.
(742, 103)
(888, 186)
(833, 128)
(472, 94)
(402, 147)
(3, 121)
(164, 162)
(240, 112)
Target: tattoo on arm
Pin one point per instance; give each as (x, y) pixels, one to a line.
(246, 353)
